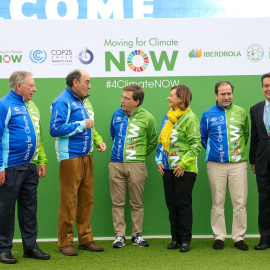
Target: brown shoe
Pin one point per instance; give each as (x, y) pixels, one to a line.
(91, 246)
(218, 244)
(68, 251)
(241, 245)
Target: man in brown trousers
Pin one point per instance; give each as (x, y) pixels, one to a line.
(72, 123)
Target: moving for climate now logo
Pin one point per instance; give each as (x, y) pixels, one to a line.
(10, 57)
(138, 60)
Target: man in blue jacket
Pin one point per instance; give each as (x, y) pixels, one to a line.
(72, 123)
(19, 153)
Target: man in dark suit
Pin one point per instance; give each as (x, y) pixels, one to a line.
(259, 157)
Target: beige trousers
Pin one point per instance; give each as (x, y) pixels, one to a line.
(122, 175)
(76, 200)
(233, 175)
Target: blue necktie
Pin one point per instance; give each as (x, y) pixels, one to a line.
(267, 120)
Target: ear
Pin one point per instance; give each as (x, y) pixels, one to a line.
(75, 82)
(216, 95)
(137, 102)
(18, 87)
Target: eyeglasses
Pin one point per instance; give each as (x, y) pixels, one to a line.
(125, 98)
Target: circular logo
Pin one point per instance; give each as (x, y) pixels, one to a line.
(38, 56)
(135, 57)
(131, 141)
(6, 58)
(255, 53)
(86, 57)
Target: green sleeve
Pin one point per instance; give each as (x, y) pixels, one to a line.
(97, 138)
(42, 160)
(246, 129)
(192, 130)
(151, 134)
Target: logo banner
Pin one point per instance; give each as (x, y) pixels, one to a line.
(132, 48)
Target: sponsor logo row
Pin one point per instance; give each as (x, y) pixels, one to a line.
(56, 57)
(136, 60)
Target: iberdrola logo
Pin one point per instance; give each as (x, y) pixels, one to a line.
(195, 54)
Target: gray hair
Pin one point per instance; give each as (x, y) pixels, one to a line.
(18, 77)
(75, 74)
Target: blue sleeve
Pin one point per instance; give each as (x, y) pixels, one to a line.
(159, 155)
(3, 116)
(204, 130)
(160, 149)
(59, 125)
(112, 128)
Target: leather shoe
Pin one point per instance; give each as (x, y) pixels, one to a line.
(184, 247)
(68, 250)
(173, 245)
(218, 244)
(91, 246)
(262, 246)
(241, 245)
(6, 257)
(36, 253)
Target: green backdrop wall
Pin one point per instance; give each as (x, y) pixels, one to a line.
(105, 101)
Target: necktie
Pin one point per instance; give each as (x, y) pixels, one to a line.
(267, 120)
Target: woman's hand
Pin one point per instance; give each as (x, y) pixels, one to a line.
(179, 170)
(160, 169)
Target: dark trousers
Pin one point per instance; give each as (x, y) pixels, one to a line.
(178, 195)
(21, 186)
(263, 182)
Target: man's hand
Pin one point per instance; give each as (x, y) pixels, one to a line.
(101, 147)
(89, 123)
(179, 171)
(2, 178)
(253, 168)
(42, 171)
(160, 169)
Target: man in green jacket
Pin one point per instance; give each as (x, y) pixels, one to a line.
(133, 131)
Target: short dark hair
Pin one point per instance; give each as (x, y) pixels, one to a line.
(222, 83)
(266, 75)
(75, 74)
(184, 93)
(138, 93)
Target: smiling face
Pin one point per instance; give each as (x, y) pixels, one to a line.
(27, 88)
(266, 88)
(129, 105)
(173, 99)
(224, 96)
(81, 87)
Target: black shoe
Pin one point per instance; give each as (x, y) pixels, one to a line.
(218, 244)
(184, 247)
(36, 254)
(262, 246)
(173, 245)
(6, 257)
(241, 245)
